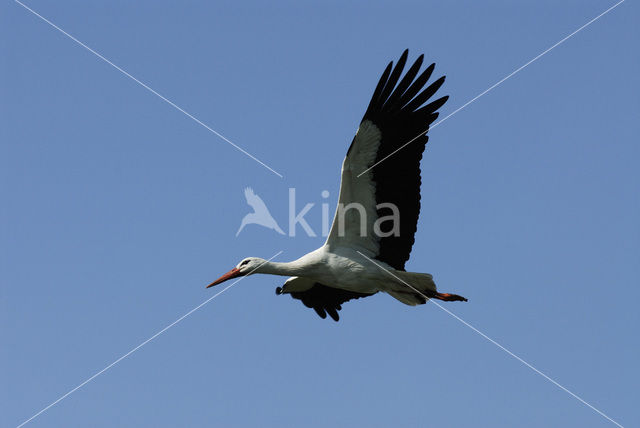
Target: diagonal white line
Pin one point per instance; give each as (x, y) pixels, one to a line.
(142, 344)
(517, 70)
(180, 109)
(490, 340)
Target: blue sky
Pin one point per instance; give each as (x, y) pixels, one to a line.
(118, 209)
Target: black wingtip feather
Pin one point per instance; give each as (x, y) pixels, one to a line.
(393, 79)
(425, 95)
(396, 98)
(433, 106)
(320, 311)
(380, 86)
(333, 314)
(417, 85)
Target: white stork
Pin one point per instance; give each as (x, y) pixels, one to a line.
(352, 264)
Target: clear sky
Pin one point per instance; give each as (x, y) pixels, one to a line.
(117, 210)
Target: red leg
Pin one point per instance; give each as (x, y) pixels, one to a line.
(448, 297)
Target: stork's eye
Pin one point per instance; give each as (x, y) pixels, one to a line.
(244, 262)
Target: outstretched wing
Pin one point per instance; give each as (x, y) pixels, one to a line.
(322, 299)
(381, 172)
(255, 201)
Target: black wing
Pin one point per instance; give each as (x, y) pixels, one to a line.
(388, 146)
(400, 118)
(323, 299)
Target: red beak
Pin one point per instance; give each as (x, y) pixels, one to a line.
(231, 274)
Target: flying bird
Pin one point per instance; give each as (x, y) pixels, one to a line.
(260, 214)
(381, 176)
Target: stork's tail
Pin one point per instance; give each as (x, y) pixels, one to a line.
(420, 288)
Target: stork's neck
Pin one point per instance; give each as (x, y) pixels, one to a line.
(293, 268)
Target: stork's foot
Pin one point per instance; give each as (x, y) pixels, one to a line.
(448, 297)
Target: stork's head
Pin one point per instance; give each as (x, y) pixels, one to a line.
(247, 266)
